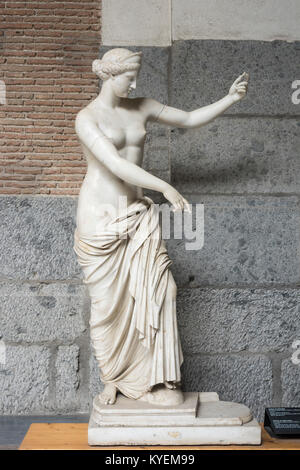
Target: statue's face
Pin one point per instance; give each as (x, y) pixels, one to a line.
(124, 83)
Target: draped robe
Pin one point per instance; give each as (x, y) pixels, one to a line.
(133, 323)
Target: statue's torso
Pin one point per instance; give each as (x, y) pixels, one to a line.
(126, 128)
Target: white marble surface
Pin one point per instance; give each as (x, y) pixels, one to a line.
(158, 23)
(127, 407)
(136, 23)
(235, 20)
(249, 434)
(134, 423)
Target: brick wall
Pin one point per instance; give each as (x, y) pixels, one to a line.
(47, 48)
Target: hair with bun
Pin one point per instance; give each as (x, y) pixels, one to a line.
(114, 62)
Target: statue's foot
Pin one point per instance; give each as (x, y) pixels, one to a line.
(109, 395)
(170, 385)
(163, 396)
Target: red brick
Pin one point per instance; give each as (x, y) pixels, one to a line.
(19, 184)
(64, 192)
(47, 51)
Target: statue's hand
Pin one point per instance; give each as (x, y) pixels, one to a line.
(178, 201)
(239, 87)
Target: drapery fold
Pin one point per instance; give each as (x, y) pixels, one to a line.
(133, 321)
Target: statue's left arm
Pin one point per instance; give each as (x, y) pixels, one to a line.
(199, 117)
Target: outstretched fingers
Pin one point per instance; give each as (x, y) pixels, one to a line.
(187, 206)
(181, 204)
(244, 76)
(176, 206)
(236, 81)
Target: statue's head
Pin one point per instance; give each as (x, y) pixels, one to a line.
(121, 67)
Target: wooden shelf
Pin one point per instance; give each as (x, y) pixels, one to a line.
(66, 436)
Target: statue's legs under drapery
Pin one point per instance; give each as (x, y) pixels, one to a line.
(133, 320)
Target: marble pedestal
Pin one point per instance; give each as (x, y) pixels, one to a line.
(201, 420)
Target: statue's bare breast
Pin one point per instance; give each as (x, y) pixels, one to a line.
(126, 129)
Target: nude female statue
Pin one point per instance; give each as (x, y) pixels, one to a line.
(133, 312)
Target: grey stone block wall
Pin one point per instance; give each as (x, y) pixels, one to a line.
(238, 296)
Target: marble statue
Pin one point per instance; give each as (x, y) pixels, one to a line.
(124, 259)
